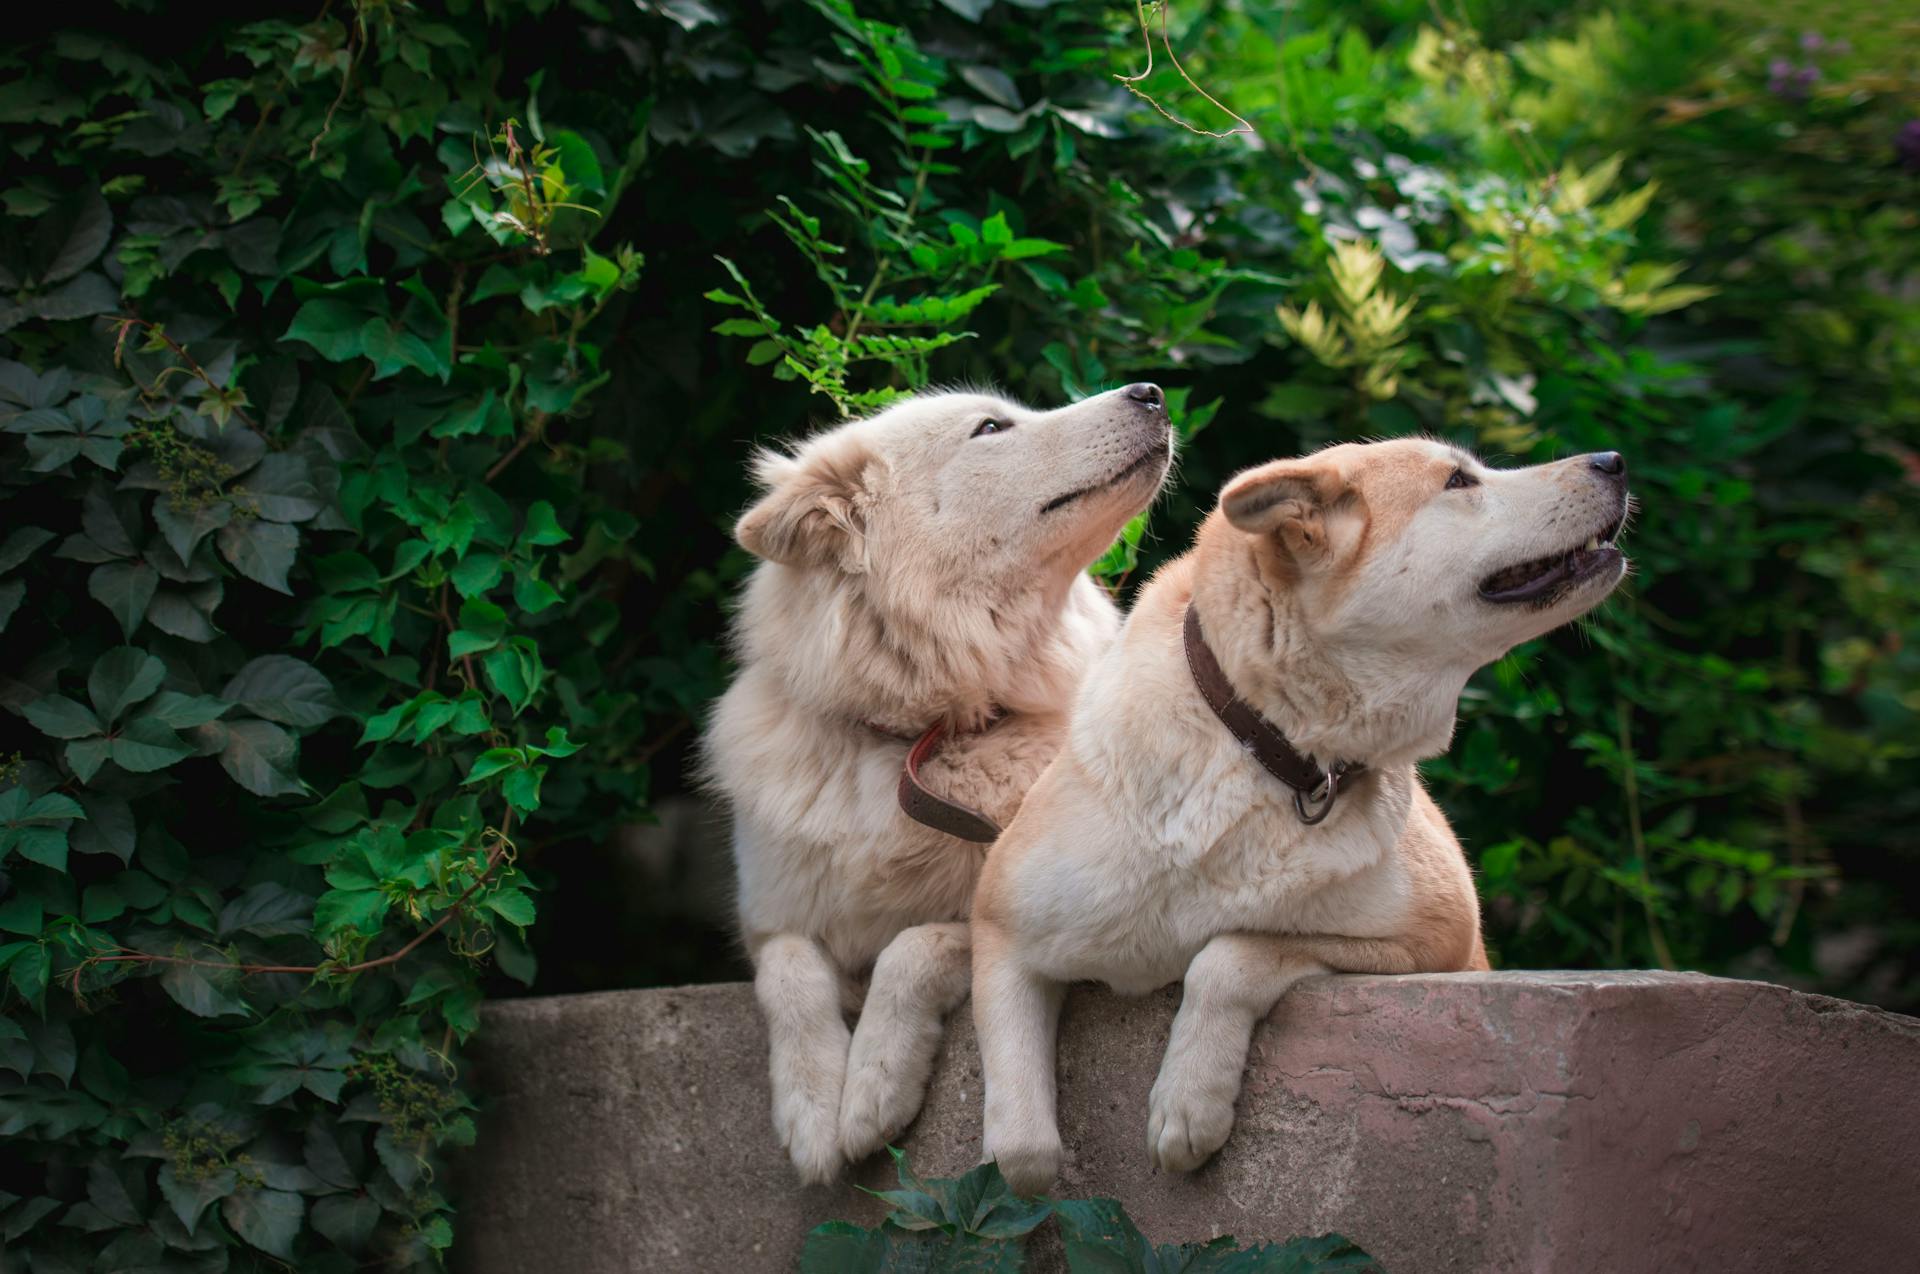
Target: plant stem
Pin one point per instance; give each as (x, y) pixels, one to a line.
(1630, 772)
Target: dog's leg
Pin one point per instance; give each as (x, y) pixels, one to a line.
(919, 978)
(799, 990)
(1016, 1014)
(1234, 982)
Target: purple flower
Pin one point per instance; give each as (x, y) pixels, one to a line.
(1794, 83)
(1906, 145)
(1812, 42)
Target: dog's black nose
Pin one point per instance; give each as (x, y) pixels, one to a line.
(1146, 392)
(1611, 463)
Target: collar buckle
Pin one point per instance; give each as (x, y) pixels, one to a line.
(1321, 799)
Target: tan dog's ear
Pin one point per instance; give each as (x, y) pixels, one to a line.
(814, 511)
(1287, 498)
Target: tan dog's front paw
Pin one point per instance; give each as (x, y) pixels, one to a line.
(1030, 1163)
(810, 1134)
(1185, 1127)
(876, 1105)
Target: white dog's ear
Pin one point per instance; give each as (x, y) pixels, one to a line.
(814, 512)
(1287, 498)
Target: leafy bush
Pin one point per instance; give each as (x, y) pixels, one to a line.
(975, 1222)
(311, 606)
(366, 459)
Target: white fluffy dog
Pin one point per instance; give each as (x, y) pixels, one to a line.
(923, 567)
(1236, 806)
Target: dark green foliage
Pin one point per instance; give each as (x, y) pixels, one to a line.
(975, 1222)
(374, 386)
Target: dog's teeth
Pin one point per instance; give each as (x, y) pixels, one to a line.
(1593, 542)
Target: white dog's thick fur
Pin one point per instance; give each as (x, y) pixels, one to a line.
(1345, 595)
(926, 564)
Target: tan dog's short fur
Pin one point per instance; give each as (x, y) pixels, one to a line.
(921, 565)
(1343, 595)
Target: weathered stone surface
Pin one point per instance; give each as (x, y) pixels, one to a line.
(1509, 1121)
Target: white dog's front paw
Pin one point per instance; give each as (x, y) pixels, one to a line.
(1185, 1125)
(877, 1103)
(810, 1132)
(1029, 1162)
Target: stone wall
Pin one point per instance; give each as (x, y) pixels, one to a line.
(1616, 1122)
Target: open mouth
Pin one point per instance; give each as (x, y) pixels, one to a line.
(1545, 580)
(1157, 452)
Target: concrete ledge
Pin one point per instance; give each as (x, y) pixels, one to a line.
(1509, 1121)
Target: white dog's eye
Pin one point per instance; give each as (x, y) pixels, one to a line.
(992, 426)
(1460, 479)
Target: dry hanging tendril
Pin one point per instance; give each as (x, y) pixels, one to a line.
(1132, 82)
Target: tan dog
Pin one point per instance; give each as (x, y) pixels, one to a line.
(925, 565)
(1346, 597)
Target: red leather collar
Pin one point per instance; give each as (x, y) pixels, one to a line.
(925, 806)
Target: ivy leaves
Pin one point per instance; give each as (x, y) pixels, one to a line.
(44, 271)
(122, 679)
(354, 320)
(137, 725)
(974, 1222)
(36, 827)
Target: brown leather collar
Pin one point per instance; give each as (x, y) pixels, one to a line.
(925, 806)
(1314, 789)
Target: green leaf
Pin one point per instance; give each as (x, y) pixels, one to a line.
(122, 678)
(261, 551)
(491, 762)
(12, 593)
(841, 1247)
(261, 757)
(482, 625)
(515, 671)
(86, 756)
(268, 910)
(511, 905)
(20, 915)
(268, 1219)
(109, 828)
(202, 990)
(184, 711)
(202, 1188)
(349, 911)
(21, 544)
(44, 845)
(476, 573)
(346, 1219)
(79, 235)
(280, 489)
(184, 528)
(125, 589)
(558, 744)
(284, 689)
(532, 594)
(101, 903)
(521, 788)
(331, 325)
(542, 527)
(27, 970)
(145, 745)
(62, 718)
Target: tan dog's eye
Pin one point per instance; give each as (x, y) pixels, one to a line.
(992, 426)
(1460, 480)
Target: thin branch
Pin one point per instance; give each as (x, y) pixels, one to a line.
(127, 323)
(346, 82)
(1132, 82)
(1623, 717)
(536, 428)
(456, 908)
